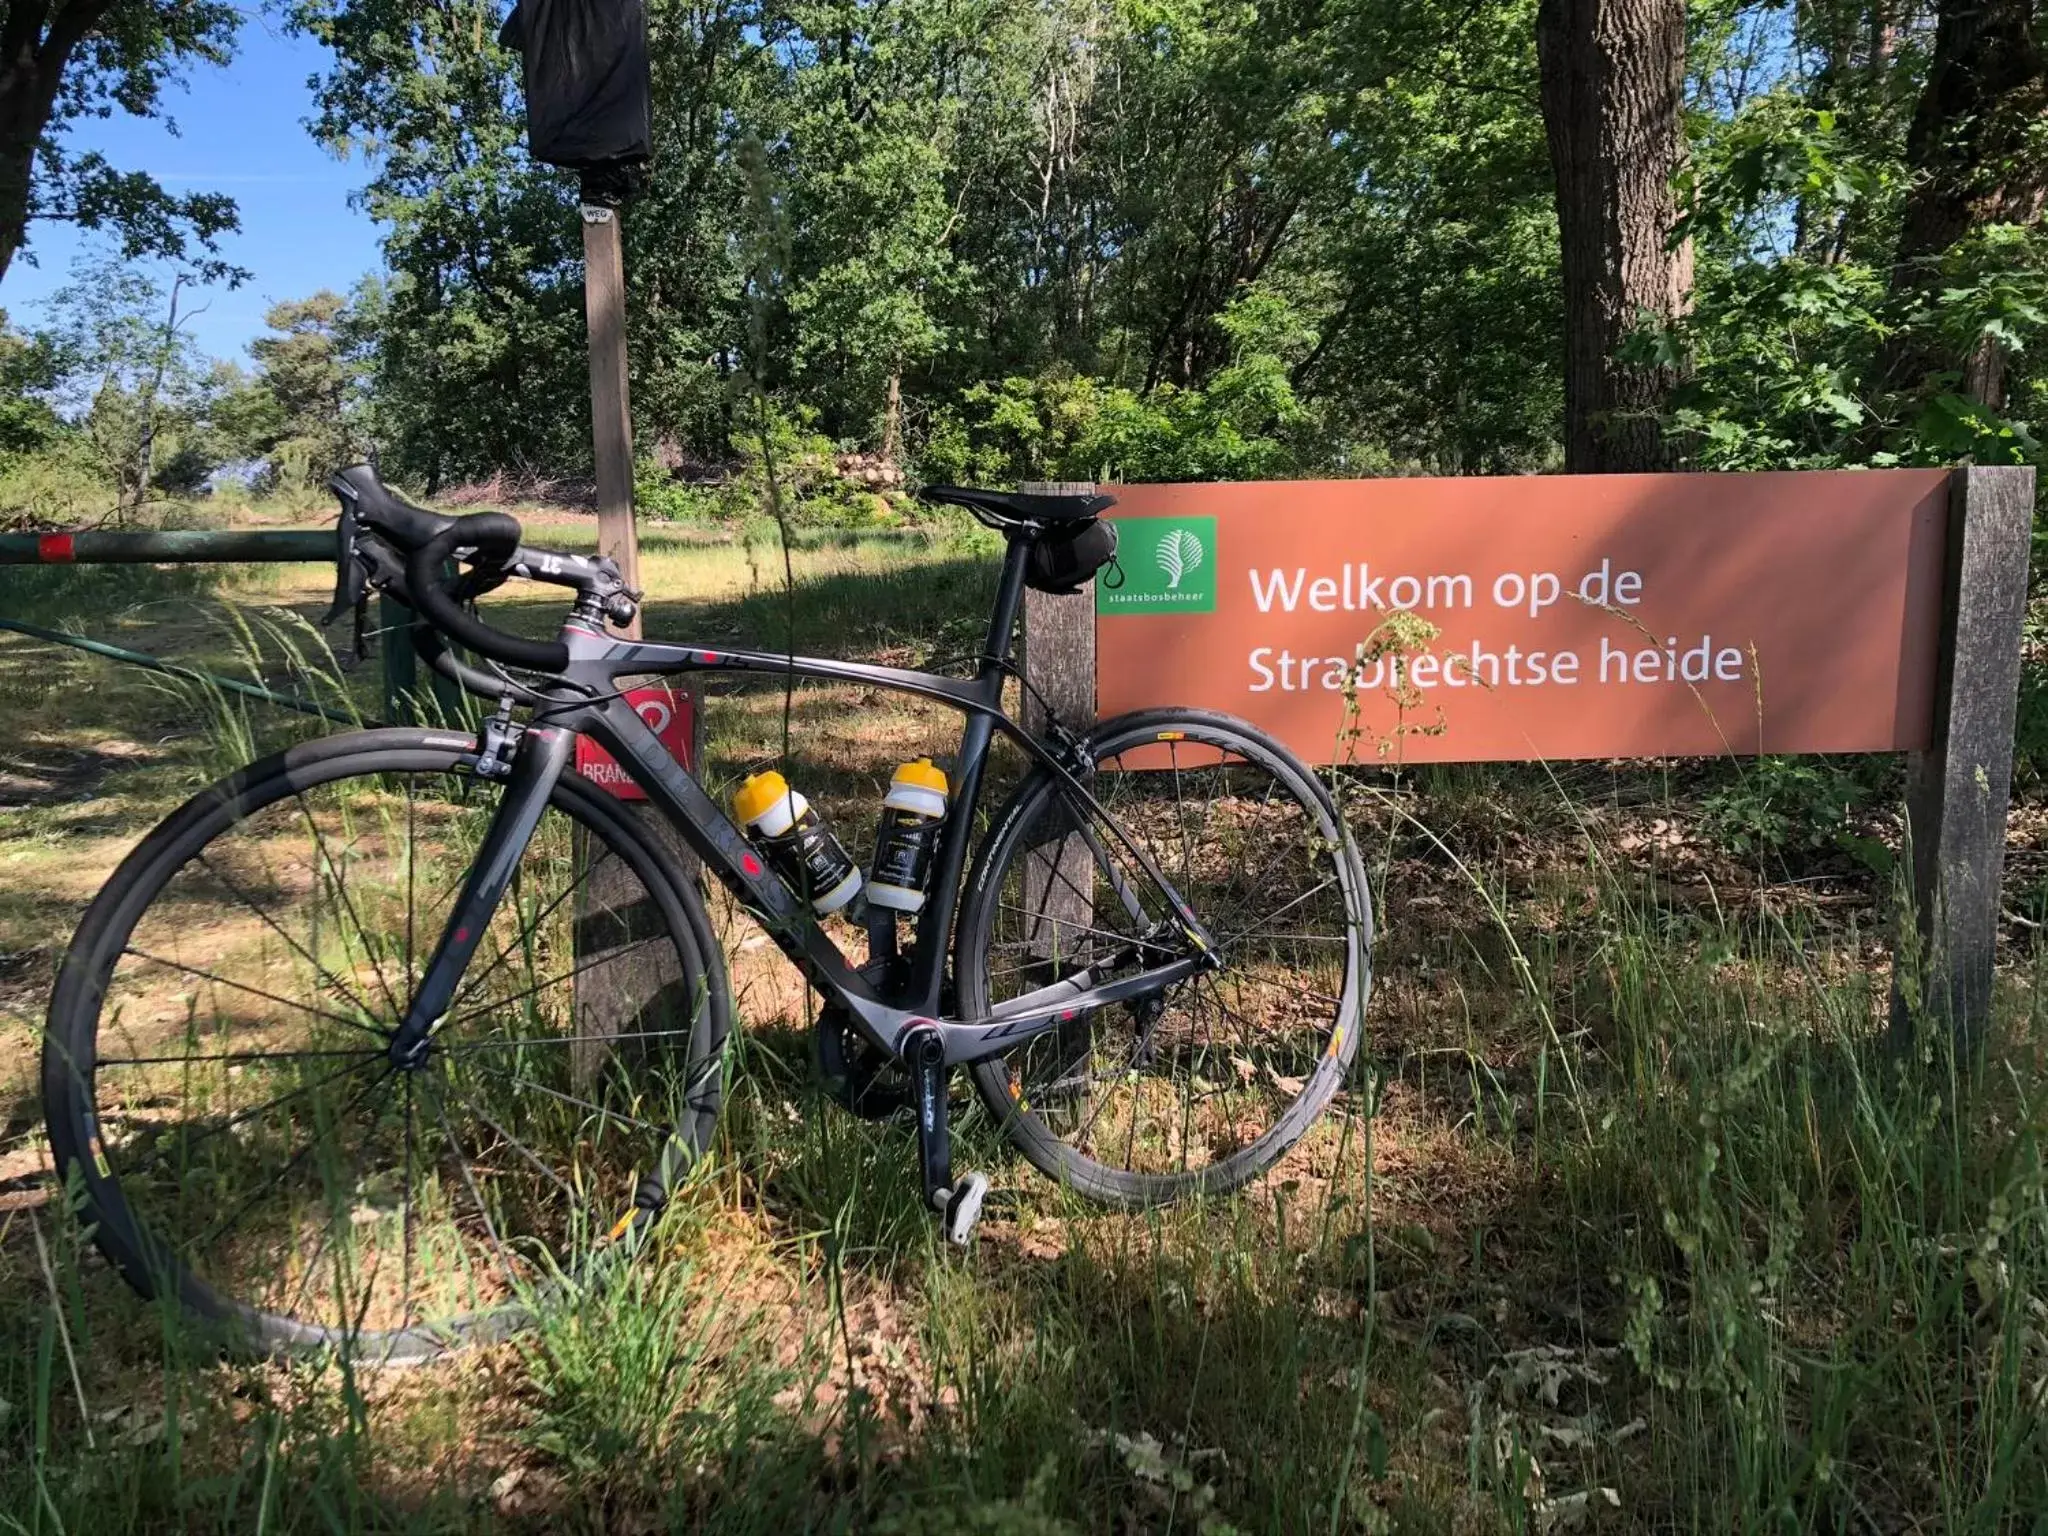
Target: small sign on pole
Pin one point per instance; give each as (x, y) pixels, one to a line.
(671, 713)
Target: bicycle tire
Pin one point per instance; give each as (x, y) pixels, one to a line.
(1040, 810)
(72, 1060)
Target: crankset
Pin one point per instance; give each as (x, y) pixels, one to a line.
(855, 1075)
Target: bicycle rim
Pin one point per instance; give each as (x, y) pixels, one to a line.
(217, 1069)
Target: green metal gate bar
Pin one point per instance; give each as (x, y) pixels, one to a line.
(225, 547)
(156, 664)
(187, 547)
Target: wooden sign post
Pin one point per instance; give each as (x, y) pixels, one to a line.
(627, 993)
(1059, 677)
(1957, 787)
(611, 417)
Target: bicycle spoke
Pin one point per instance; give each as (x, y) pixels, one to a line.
(355, 1170)
(412, 862)
(1081, 1139)
(455, 1047)
(248, 1114)
(268, 997)
(519, 939)
(595, 1109)
(469, 1180)
(516, 1144)
(221, 1229)
(606, 958)
(1327, 882)
(231, 1056)
(1180, 816)
(325, 975)
(407, 1217)
(1105, 933)
(340, 885)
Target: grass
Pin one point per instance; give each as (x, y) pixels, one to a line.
(1629, 1219)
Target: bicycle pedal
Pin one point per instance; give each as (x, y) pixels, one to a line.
(963, 1208)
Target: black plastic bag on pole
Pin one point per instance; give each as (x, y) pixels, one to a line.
(588, 89)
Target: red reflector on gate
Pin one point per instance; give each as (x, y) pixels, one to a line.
(56, 548)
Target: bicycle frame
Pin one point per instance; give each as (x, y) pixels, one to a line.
(545, 752)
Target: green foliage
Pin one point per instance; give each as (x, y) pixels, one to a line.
(1785, 806)
(298, 413)
(658, 496)
(28, 372)
(1245, 424)
(1808, 348)
(1206, 239)
(82, 62)
(57, 485)
(475, 343)
(135, 383)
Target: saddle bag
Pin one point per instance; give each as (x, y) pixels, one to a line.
(1067, 554)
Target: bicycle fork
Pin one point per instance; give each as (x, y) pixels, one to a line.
(543, 753)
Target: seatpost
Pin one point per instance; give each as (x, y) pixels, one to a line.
(1002, 624)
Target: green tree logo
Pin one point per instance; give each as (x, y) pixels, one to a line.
(1172, 567)
(1180, 553)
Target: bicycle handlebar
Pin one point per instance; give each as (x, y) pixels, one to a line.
(388, 543)
(494, 537)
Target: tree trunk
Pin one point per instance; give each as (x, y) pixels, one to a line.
(892, 420)
(27, 94)
(1613, 78)
(1972, 164)
(17, 158)
(145, 450)
(31, 70)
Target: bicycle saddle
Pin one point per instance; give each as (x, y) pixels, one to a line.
(1016, 508)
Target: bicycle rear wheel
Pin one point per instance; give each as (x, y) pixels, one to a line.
(1204, 1086)
(217, 1079)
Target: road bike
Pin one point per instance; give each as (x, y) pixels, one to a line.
(385, 1039)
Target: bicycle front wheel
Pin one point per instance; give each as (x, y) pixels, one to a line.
(219, 1086)
(1205, 1085)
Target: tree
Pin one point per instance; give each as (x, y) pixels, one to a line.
(1978, 156)
(871, 130)
(28, 372)
(309, 381)
(478, 355)
(62, 60)
(1613, 82)
(133, 376)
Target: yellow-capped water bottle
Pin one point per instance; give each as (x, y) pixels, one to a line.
(912, 813)
(799, 846)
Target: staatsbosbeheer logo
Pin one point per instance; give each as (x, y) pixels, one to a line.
(1169, 566)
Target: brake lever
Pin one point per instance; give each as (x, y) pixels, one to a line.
(351, 579)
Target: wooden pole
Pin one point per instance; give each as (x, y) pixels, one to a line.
(1956, 791)
(611, 420)
(1059, 671)
(635, 990)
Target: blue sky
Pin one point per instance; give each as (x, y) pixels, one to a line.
(240, 131)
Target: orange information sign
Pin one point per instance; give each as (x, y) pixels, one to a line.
(1559, 616)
